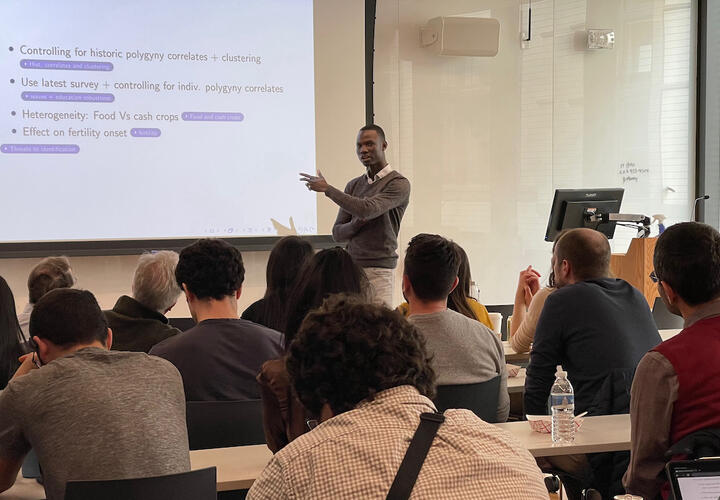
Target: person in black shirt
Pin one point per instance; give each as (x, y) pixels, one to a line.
(11, 339)
(220, 357)
(597, 327)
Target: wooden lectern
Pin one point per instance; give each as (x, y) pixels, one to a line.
(636, 265)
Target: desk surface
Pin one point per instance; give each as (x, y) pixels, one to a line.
(237, 468)
(24, 489)
(597, 434)
(517, 383)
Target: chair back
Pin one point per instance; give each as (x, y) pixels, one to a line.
(221, 424)
(664, 319)
(480, 398)
(194, 485)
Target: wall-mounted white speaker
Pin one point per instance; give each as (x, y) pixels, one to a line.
(461, 36)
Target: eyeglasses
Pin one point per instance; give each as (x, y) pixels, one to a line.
(654, 277)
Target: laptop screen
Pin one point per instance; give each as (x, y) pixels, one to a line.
(695, 480)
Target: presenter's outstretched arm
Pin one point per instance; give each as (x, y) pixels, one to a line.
(395, 194)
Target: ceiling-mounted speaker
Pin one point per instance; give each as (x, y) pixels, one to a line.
(461, 36)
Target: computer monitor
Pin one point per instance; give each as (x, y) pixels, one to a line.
(571, 206)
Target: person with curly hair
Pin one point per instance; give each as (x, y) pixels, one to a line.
(366, 371)
(221, 355)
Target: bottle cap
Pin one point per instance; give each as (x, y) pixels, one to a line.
(560, 372)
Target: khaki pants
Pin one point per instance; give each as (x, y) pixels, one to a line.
(383, 284)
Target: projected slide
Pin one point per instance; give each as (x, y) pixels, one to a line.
(155, 119)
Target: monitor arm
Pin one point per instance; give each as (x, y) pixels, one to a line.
(637, 221)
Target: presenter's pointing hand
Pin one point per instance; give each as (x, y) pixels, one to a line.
(315, 182)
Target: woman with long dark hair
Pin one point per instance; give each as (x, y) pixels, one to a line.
(11, 338)
(284, 264)
(459, 299)
(327, 272)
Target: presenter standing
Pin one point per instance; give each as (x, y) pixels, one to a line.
(371, 209)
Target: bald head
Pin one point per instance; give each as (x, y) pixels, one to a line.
(581, 254)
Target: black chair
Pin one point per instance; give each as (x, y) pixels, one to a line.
(182, 324)
(480, 398)
(664, 319)
(506, 310)
(221, 424)
(194, 485)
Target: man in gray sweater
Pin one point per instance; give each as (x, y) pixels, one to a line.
(371, 208)
(464, 350)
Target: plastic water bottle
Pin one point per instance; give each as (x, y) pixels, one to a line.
(562, 404)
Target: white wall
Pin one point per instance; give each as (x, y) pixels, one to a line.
(486, 141)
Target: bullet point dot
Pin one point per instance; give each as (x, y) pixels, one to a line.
(13, 113)
(11, 49)
(14, 131)
(12, 80)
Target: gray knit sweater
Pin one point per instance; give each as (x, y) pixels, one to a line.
(369, 218)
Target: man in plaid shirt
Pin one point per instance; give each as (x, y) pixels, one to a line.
(365, 370)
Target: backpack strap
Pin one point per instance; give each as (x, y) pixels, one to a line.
(415, 455)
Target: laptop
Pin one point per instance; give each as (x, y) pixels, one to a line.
(695, 479)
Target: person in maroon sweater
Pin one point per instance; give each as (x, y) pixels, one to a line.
(676, 390)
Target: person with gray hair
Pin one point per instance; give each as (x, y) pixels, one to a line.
(50, 273)
(139, 322)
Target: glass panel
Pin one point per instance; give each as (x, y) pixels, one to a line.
(485, 141)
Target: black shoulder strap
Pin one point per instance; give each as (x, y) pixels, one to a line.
(415, 456)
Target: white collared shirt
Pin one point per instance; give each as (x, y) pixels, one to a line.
(380, 174)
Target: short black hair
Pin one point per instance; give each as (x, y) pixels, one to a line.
(431, 264)
(687, 257)
(210, 268)
(67, 317)
(349, 350)
(376, 128)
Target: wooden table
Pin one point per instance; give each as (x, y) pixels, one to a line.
(597, 434)
(237, 468)
(24, 489)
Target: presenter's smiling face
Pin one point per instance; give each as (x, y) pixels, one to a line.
(370, 150)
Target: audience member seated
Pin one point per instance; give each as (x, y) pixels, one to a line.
(284, 264)
(220, 357)
(459, 299)
(11, 339)
(598, 328)
(464, 351)
(139, 322)
(49, 274)
(676, 390)
(529, 301)
(327, 272)
(89, 413)
(365, 370)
